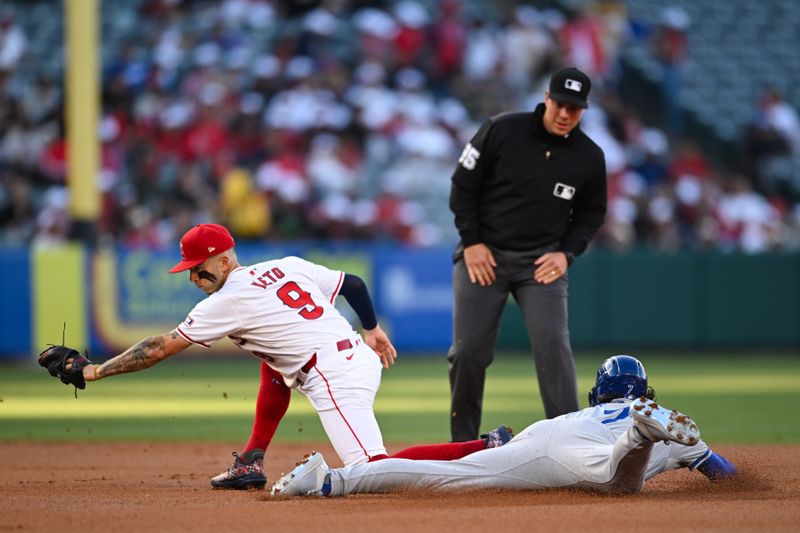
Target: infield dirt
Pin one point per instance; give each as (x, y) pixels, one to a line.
(164, 487)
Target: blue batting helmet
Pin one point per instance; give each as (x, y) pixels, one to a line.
(620, 376)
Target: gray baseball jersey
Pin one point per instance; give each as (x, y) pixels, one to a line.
(596, 448)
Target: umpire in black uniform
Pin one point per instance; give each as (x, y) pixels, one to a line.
(528, 195)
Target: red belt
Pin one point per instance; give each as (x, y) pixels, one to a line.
(309, 365)
(342, 345)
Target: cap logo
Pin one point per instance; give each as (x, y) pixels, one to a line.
(573, 85)
(182, 253)
(211, 249)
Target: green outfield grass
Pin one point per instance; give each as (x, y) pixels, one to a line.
(735, 399)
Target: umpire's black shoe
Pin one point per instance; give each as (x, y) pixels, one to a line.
(247, 471)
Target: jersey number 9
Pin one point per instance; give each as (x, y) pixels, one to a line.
(292, 295)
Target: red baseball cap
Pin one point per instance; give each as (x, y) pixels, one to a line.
(200, 243)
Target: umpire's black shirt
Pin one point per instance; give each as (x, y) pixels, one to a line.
(518, 187)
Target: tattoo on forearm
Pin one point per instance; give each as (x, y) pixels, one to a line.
(141, 355)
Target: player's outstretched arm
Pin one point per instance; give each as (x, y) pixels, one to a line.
(379, 341)
(141, 355)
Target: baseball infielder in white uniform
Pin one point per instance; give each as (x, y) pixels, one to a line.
(612, 446)
(282, 311)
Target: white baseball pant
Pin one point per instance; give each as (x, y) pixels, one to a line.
(341, 385)
(555, 453)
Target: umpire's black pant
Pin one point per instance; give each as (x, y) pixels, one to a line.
(476, 320)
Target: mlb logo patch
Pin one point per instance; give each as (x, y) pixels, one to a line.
(189, 321)
(564, 191)
(573, 85)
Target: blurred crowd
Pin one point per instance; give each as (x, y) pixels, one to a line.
(337, 119)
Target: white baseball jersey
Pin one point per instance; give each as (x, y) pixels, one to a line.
(615, 417)
(594, 448)
(281, 310)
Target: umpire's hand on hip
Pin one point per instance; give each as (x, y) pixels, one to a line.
(379, 341)
(480, 264)
(550, 267)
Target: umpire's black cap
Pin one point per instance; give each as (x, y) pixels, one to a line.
(572, 86)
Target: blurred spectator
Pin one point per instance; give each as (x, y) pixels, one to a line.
(663, 224)
(670, 49)
(12, 42)
(52, 221)
(747, 221)
(410, 40)
(342, 120)
(771, 145)
(483, 51)
(650, 157)
(17, 208)
(582, 41)
(612, 18)
(687, 159)
(529, 48)
(449, 35)
(333, 165)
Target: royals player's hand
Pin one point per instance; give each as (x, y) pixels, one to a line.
(379, 341)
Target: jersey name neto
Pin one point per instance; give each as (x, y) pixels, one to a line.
(281, 310)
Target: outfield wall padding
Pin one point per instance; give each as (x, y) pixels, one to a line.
(618, 302)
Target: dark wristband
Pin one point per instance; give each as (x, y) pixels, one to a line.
(570, 257)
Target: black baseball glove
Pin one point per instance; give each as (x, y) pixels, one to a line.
(54, 359)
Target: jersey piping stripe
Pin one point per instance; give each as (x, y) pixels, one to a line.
(188, 338)
(340, 412)
(338, 286)
(700, 460)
